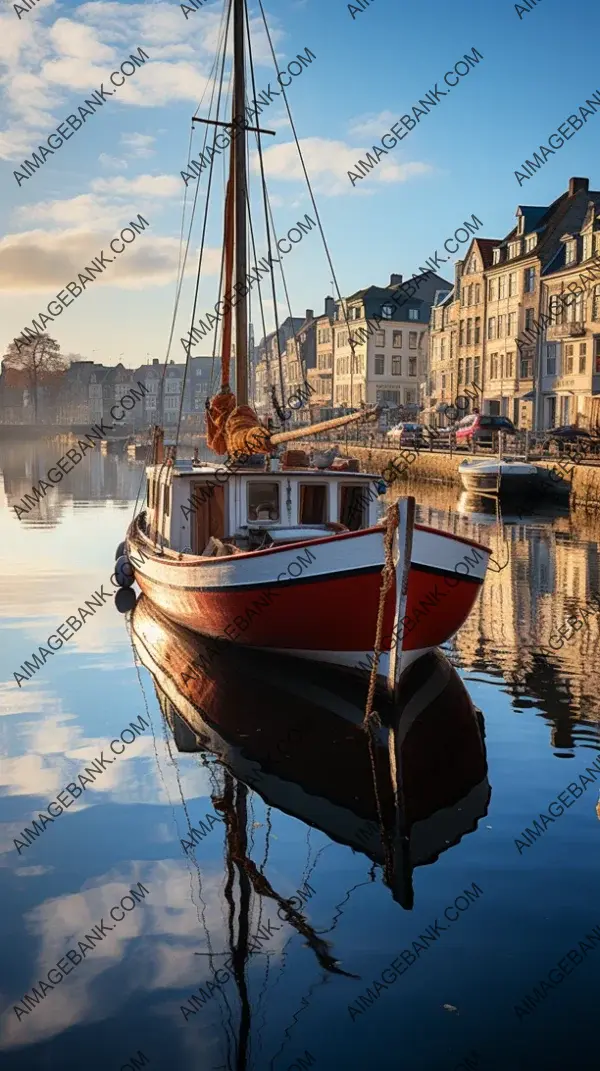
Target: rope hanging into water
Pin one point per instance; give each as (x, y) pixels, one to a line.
(387, 579)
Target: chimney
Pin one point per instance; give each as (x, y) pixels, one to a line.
(395, 280)
(329, 307)
(578, 184)
(155, 360)
(458, 267)
(310, 314)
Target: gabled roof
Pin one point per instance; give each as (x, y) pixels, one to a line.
(486, 247)
(533, 215)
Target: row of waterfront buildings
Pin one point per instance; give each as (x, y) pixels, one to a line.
(520, 322)
(85, 392)
(518, 327)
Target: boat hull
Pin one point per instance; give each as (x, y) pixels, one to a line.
(512, 480)
(318, 599)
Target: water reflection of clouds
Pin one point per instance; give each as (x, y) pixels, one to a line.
(171, 914)
(54, 750)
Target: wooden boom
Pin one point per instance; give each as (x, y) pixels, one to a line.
(325, 425)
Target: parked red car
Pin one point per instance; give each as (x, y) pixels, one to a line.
(480, 428)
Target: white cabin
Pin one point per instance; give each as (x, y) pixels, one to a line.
(192, 507)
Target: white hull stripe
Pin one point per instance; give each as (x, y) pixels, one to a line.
(432, 551)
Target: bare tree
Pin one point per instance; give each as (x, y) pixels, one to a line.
(39, 360)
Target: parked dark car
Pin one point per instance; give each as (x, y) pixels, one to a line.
(480, 428)
(569, 438)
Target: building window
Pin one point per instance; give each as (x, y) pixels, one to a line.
(496, 255)
(492, 290)
(501, 327)
(509, 365)
(412, 340)
(477, 294)
(551, 359)
(396, 365)
(526, 368)
(477, 334)
(582, 356)
(461, 335)
(443, 349)
(587, 246)
(530, 242)
(492, 327)
(528, 319)
(596, 303)
(511, 325)
(380, 338)
(468, 370)
(379, 364)
(568, 359)
(501, 287)
(412, 366)
(413, 314)
(387, 312)
(529, 280)
(469, 332)
(597, 355)
(512, 284)
(461, 365)
(476, 362)
(397, 340)
(556, 309)
(514, 249)
(493, 366)
(571, 252)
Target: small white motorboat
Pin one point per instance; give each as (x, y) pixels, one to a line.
(499, 477)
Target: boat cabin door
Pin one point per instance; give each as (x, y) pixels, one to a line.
(209, 518)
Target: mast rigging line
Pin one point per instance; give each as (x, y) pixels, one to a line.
(314, 204)
(204, 227)
(266, 211)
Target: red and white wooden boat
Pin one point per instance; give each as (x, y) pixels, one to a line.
(286, 558)
(295, 587)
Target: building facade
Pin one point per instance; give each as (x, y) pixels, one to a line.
(384, 361)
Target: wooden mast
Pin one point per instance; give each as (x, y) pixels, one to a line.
(239, 103)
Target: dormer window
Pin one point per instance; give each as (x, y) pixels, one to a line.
(530, 242)
(496, 259)
(387, 312)
(413, 314)
(571, 251)
(514, 249)
(587, 245)
(521, 224)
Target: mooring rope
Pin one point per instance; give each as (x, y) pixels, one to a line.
(387, 577)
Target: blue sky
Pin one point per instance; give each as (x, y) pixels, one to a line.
(367, 73)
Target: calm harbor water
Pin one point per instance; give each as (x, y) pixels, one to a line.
(225, 897)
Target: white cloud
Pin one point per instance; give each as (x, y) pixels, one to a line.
(328, 163)
(116, 163)
(138, 144)
(142, 185)
(373, 124)
(46, 260)
(46, 72)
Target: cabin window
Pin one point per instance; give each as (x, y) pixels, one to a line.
(263, 501)
(353, 501)
(313, 503)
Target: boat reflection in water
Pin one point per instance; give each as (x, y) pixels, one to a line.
(401, 793)
(484, 509)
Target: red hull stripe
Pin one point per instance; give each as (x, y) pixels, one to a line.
(340, 613)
